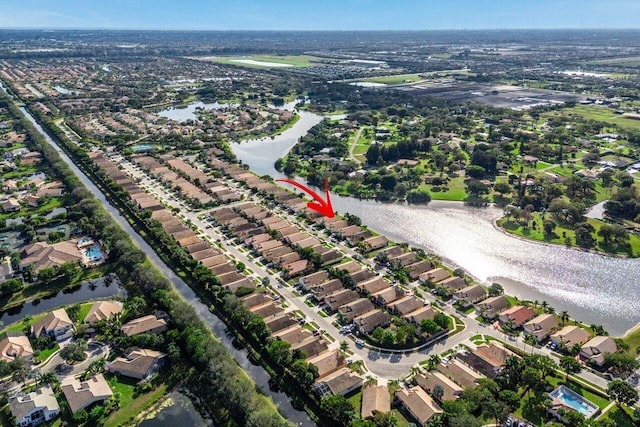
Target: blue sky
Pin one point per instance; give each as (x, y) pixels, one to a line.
(320, 14)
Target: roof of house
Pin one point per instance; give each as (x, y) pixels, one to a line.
(372, 319)
(430, 379)
(279, 321)
(418, 315)
(471, 293)
(375, 399)
(54, 320)
(494, 304)
(43, 254)
(570, 335)
(598, 347)
(356, 308)
(314, 278)
(436, 275)
(341, 380)
(328, 362)
(419, 403)
(102, 310)
(405, 305)
(460, 373)
(80, 394)
(373, 285)
(518, 314)
(541, 325)
(453, 283)
(14, 345)
(43, 397)
(143, 324)
(137, 361)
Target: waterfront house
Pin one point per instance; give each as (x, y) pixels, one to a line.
(328, 362)
(492, 306)
(418, 268)
(569, 336)
(541, 326)
(144, 325)
(81, 394)
(434, 276)
(343, 381)
(56, 324)
(518, 314)
(102, 310)
(279, 321)
(42, 254)
(469, 295)
(372, 243)
(137, 363)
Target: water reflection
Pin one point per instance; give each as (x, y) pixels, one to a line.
(591, 287)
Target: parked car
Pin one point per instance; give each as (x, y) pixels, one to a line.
(359, 343)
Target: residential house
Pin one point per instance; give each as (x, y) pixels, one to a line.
(6, 269)
(418, 268)
(325, 288)
(43, 254)
(492, 306)
(487, 359)
(343, 381)
(434, 276)
(371, 320)
(102, 310)
(311, 346)
(569, 336)
(14, 345)
(144, 325)
(279, 321)
(541, 326)
(292, 334)
(372, 285)
(460, 373)
(56, 324)
(452, 284)
(34, 408)
(417, 316)
(328, 362)
(469, 295)
(429, 380)
(375, 400)
(10, 205)
(518, 314)
(405, 305)
(313, 279)
(419, 404)
(81, 394)
(597, 349)
(339, 298)
(137, 363)
(372, 243)
(295, 268)
(355, 308)
(387, 296)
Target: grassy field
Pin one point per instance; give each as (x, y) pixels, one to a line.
(455, 190)
(602, 114)
(395, 79)
(131, 404)
(293, 60)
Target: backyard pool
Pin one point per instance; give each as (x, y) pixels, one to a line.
(574, 400)
(92, 252)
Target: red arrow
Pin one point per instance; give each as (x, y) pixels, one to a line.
(323, 207)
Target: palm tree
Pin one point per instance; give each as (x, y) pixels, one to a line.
(544, 305)
(564, 317)
(344, 346)
(369, 380)
(434, 360)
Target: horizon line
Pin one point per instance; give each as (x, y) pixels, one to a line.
(25, 28)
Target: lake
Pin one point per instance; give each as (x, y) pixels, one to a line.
(182, 114)
(87, 291)
(593, 288)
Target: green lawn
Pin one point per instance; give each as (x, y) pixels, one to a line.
(455, 190)
(602, 114)
(599, 401)
(130, 404)
(622, 418)
(84, 309)
(395, 79)
(356, 399)
(44, 354)
(294, 60)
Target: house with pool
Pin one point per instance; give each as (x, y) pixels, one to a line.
(563, 399)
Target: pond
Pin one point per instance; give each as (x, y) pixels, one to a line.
(182, 114)
(176, 410)
(103, 287)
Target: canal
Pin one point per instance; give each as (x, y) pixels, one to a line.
(257, 373)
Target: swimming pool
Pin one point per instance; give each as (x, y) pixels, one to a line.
(93, 253)
(574, 400)
(84, 240)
